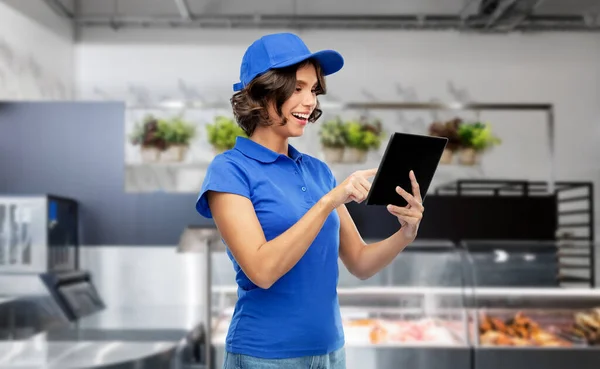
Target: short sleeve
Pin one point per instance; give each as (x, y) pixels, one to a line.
(333, 181)
(222, 175)
(332, 178)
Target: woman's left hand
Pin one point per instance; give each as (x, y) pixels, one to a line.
(409, 216)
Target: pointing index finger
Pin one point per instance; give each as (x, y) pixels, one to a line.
(369, 172)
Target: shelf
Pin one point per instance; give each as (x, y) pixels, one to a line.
(159, 165)
(449, 291)
(372, 291)
(182, 177)
(540, 295)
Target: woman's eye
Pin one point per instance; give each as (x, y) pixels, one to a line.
(298, 89)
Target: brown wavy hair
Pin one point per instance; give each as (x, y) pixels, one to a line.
(250, 105)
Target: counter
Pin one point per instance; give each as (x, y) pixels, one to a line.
(159, 337)
(41, 352)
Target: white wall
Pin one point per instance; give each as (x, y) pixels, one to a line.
(36, 52)
(562, 69)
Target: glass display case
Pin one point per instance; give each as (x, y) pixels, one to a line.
(419, 299)
(512, 263)
(412, 314)
(535, 323)
(482, 305)
(536, 328)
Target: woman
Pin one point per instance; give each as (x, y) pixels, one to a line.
(283, 216)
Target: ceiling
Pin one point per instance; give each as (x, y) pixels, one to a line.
(464, 15)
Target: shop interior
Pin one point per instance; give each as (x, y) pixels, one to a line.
(111, 112)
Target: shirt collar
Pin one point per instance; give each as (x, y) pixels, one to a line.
(258, 152)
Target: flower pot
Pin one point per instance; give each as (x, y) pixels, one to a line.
(333, 154)
(173, 154)
(468, 156)
(447, 156)
(354, 155)
(149, 154)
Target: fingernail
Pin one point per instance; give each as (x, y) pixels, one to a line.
(389, 207)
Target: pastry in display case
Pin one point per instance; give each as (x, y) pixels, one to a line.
(557, 333)
(522, 329)
(586, 326)
(536, 327)
(391, 331)
(544, 327)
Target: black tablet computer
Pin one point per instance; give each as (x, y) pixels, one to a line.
(405, 152)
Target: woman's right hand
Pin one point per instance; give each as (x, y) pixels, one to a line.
(354, 188)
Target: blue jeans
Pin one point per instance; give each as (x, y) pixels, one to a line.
(334, 360)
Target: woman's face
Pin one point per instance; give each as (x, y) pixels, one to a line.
(299, 106)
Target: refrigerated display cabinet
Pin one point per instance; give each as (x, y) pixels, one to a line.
(523, 317)
(536, 328)
(415, 317)
(438, 306)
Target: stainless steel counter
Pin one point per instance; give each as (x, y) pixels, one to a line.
(38, 352)
(113, 338)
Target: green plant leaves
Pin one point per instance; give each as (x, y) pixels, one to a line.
(223, 133)
(162, 132)
(147, 133)
(176, 131)
(477, 136)
(360, 134)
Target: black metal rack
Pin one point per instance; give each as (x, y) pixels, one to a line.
(576, 233)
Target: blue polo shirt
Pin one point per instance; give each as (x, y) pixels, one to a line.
(299, 314)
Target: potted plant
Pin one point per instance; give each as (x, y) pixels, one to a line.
(223, 133)
(450, 131)
(475, 138)
(177, 134)
(333, 140)
(147, 135)
(361, 136)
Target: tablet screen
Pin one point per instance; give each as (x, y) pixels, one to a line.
(405, 152)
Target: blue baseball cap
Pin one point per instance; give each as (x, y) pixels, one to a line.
(281, 50)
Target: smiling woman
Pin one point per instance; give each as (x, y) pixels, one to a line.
(283, 218)
(289, 94)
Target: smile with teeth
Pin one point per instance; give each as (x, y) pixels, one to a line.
(301, 116)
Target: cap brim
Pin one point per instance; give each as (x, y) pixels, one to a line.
(330, 61)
